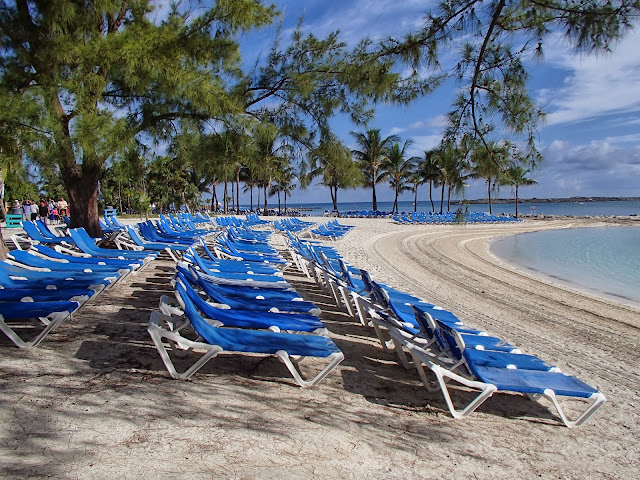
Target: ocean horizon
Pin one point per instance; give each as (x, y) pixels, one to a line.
(575, 208)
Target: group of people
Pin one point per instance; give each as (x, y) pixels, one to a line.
(48, 211)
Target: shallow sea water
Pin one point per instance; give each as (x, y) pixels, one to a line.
(601, 260)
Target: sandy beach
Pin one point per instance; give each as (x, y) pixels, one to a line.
(95, 401)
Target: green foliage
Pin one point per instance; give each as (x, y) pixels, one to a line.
(332, 161)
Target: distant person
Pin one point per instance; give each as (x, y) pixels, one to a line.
(26, 210)
(53, 215)
(43, 210)
(34, 211)
(63, 207)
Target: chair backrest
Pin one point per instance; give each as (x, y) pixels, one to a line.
(429, 328)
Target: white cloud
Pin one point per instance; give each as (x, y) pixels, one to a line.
(424, 142)
(598, 84)
(594, 169)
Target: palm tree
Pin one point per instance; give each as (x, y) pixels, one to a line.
(489, 161)
(398, 170)
(269, 157)
(516, 175)
(453, 171)
(429, 172)
(370, 155)
(332, 161)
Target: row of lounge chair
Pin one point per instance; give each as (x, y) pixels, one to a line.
(365, 214)
(43, 286)
(434, 341)
(429, 218)
(231, 297)
(60, 271)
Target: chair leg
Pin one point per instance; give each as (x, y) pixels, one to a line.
(157, 334)
(597, 400)
(50, 323)
(334, 360)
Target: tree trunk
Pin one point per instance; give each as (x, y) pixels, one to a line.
(415, 198)
(441, 198)
(395, 203)
(225, 199)
(285, 201)
(449, 199)
(374, 202)
(279, 210)
(433, 208)
(238, 192)
(265, 211)
(516, 201)
(233, 196)
(251, 197)
(83, 198)
(489, 195)
(334, 197)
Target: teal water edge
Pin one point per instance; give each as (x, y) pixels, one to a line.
(616, 208)
(602, 260)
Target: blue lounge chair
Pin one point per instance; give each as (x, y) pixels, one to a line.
(245, 318)
(255, 301)
(215, 340)
(85, 243)
(156, 246)
(35, 235)
(49, 313)
(47, 252)
(483, 375)
(16, 277)
(28, 259)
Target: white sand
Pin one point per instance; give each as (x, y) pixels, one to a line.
(94, 400)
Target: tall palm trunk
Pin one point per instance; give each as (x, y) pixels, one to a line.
(225, 198)
(374, 201)
(238, 191)
(266, 209)
(433, 208)
(415, 197)
(516, 200)
(489, 194)
(442, 197)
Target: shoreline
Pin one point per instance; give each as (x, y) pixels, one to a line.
(562, 282)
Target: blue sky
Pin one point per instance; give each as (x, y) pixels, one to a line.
(591, 139)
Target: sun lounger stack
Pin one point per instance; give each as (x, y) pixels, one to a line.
(434, 341)
(42, 287)
(240, 305)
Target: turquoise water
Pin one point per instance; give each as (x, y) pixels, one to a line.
(603, 260)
